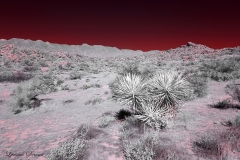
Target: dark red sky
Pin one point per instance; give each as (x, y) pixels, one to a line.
(132, 24)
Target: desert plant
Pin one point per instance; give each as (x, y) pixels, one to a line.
(75, 75)
(85, 86)
(83, 130)
(130, 67)
(30, 68)
(28, 62)
(9, 76)
(94, 101)
(153, 116)
(142, 149)
(207, 145)
(168, 87)
(25, 92)
(106, 121)
(43, 63)
(224, 104)
(73, 149)
(199, 84)
(236, 120)
(122, 114)
(130, 89)
(221, 70)
(70, 150)
(233, 90)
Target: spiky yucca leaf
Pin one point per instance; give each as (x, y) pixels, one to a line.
(154, 116)
(130, 89)
(169, 87)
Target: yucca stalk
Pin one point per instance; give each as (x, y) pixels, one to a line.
(169, 87)
(130, 89)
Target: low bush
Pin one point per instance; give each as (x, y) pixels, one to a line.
(30, 68)
(207, 146)
(221, 70)
(94, 101)
(142, 149)
(199, 84)
(25, 93)
(106, 121)
(73, 149)
(9, 76)
(85, 86)
(233, 90)
(75, 75)
(224, 104)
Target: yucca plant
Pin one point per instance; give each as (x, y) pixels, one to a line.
(153, 116)
(168, 88)
(130, 89)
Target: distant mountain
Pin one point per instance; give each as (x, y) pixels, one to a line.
(104, 51)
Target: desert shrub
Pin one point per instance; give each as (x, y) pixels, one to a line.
(142, 149)
(85, 86)
(27, 62)
(43, 63)
(133, 68)
(30, 68)
(233, 90)
(221, 70)
(135, 123)
(106, 120)
(9, 76)
(122, 114)
(130, 67)
(236, 120)
(68, 101)
(25, 92)
(224, 104)
(94, 101)
(83, 67)
(75, 75)
(75, 148)
(69, 150)
(207, 146)
(199, 84)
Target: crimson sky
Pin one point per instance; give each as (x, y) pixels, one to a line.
(125, 24)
